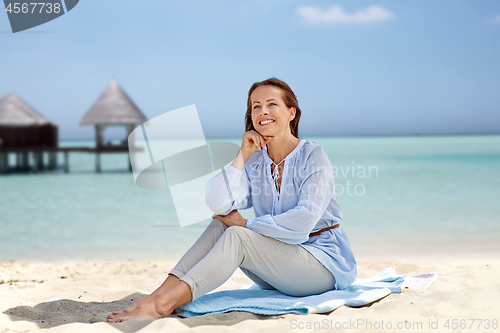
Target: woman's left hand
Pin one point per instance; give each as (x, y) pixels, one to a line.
(232, 219)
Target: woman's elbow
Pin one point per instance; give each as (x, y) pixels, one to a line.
(209, 200)
(216, 207)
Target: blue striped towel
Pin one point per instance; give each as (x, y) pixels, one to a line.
(273, 302)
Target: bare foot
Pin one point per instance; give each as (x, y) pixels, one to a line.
(131, 307)
(143, 312)
(161, 306)
(167, 284)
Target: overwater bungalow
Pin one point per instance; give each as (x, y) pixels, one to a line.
(24, 130)
(113, 108)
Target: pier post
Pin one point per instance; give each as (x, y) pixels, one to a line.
(98, 136)
(39, 160)
(98, 162)
(66, 161)
(52, 160)
(4, 162)
(18, 160)
(24, 160)
(35, 162)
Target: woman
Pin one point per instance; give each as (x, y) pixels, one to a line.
(294, 244)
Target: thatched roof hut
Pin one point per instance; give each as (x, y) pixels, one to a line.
(113, 108)
(23, 126)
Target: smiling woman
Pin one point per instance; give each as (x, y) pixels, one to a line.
(283, 98)
(294, 244)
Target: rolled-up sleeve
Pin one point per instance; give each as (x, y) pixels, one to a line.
(228, 190)
(315, 193)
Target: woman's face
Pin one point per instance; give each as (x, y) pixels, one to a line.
(270, 115)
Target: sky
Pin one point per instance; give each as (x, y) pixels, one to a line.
(358, 68)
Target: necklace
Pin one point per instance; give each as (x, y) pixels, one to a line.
(275, 174)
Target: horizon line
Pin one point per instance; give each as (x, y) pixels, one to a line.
(333, 136)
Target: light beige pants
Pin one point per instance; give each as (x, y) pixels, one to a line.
(270, 263)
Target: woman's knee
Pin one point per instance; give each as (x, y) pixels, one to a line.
(236, 237)
(237, 232)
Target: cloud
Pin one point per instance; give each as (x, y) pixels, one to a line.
(495, 19)
(336, 14)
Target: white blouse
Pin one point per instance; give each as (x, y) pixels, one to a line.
(305, 203)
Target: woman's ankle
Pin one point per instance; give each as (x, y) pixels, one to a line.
(169, 283)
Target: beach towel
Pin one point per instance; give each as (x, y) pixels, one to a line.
(272, 302)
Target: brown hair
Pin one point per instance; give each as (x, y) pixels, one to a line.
(288, 97)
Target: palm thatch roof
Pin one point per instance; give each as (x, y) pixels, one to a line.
(16, 112)
(113, 107)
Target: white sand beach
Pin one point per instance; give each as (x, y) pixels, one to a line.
(76, 296)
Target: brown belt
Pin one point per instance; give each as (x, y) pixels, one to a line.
(317, 233)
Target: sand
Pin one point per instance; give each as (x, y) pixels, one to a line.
(76, 296)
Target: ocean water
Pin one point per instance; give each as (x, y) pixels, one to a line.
(399, 195)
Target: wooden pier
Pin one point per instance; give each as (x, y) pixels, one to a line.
(22, 160)
(26, 133)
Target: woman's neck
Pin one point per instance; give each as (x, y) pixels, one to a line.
(280, 147)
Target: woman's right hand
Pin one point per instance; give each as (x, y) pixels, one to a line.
(253, 141)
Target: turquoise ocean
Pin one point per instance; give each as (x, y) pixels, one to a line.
(400, 196)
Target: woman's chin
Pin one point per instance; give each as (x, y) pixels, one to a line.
(261, 132)
(266, 131)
